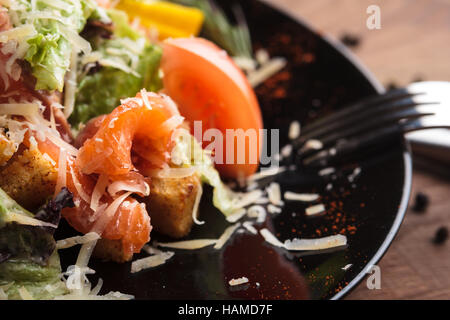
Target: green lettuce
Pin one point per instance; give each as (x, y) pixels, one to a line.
(136, 66)
(28, 257)
(49, 51)
(189, 153)
(99, 93)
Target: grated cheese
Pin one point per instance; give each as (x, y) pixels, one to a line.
(188, 244)
(61, 180)
(99, 189)
(270, 238)
(294, 130)
(265, 173)
(273, 66)
(109, 213)
(327, 171)
(26, 220)
(238, 281)
(236, 215)
(305, 244)
(258, 212)
(274, 193)
(226, 235)
(305, 197)
(150, 262)
(72, 241)
(248, 225)
(273, 209)
(316, 244)
(198, 197)
(315, 210)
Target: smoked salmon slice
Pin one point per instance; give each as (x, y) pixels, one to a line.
(103, 176)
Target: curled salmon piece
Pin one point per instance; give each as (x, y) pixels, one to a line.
(103, 176)
(140, 127)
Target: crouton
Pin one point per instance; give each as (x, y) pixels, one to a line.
(170, 204)
(7, 149)
(29, 177)
(111, 250)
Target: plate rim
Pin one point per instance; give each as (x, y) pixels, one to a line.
(407, 157)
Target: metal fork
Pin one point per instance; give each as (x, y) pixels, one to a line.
(419, 106)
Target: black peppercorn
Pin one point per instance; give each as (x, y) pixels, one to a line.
(351, 41)
(441, 235)
(421, 202)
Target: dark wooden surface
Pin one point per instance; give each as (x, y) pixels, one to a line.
(413, 43)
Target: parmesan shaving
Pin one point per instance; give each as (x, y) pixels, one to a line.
(26, 220)
(256, 77)
(73, 241)
(236, 215)
(257, 212)
(226, 235)
(118, 65)
(270, 238)
(327, 171)
(316, 244)
(274, 193)
(273, 209)
(188, 244)
(99, 189)
(150, 262)
(109, 213)
(61, 180)
(266, 173)
(315, 210)
(80, 44)
(198, 197)
(238, 281)
(305, 244)
(248, 225)
(70, 86)
(294, 130)
(306, 197)
(79, 187)
(172, 123)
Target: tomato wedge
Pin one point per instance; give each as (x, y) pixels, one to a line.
(208, 86)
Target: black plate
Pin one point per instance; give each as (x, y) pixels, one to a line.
(320, 77)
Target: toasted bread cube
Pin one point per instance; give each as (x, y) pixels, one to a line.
(7, 149)
(111, 250)
(29, 177)
(170, 204)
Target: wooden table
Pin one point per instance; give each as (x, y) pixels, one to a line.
(413, 43)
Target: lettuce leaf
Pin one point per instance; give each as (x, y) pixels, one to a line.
(49, 51)
(99, 93)
(187, 153)
(27, 253)
(36, 279)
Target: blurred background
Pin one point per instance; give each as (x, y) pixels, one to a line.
(412, 45)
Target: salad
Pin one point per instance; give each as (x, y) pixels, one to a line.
(97, 105)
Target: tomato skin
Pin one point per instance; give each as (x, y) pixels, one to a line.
(208, 86)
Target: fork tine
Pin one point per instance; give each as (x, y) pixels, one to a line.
(381, 115)
(372, 124)
(355, 117)
(361, 106)
(344, 147)
(415, 90)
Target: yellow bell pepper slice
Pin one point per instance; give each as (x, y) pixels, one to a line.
(171, 20)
